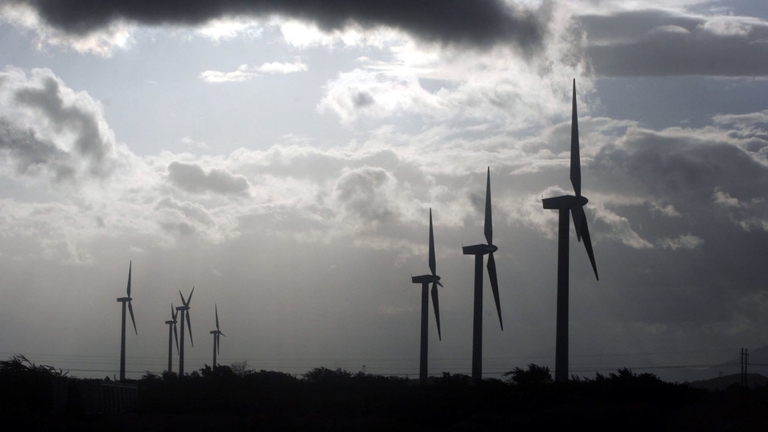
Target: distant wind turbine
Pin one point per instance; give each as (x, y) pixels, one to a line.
(216, 337)
(172, 333)
(478, 251)
(125, 300)
(184, 317)
(575, 205)
(425, 280)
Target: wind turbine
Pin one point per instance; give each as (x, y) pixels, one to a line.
(216, 337)
(171, 334)
(184, 314)
(575, 205)
(125, 300)
(425, 280)
(478, 251)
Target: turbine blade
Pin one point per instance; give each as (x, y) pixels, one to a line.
(488, 221)
(130, 263)
(217, 315)
(182, 298)
(130, 309)
(494, 285)
(588, 242)
(189, 326)
(575, 156)
(189, 299)
(438, 282)
(173, 312)
(578, 215)
(436, 305)
(176, 336)
(432, 263)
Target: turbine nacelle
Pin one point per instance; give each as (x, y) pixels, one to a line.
(564, 202)
(428, 279)
(124, 299)
(479, 249)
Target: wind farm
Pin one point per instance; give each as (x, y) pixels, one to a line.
(283, 157)
(461, 311)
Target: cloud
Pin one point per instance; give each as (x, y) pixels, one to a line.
(661, 43)
(687, 241)
(749, 214)
(223, 29)
(192, 178)
(102, 42)
(245, 72)
(479, 23)
(30, 155)
(362, 192)
(46, 125)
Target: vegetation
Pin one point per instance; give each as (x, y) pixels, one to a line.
(240, 398)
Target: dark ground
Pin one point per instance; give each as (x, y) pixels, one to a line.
(328, 400)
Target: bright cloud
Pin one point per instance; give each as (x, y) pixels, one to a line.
(246, 72)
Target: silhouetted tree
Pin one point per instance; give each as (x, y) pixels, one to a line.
(241, 369)
(534, 376)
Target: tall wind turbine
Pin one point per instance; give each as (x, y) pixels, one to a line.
(171, 334)
(184, 316)
(216, 335)
(125, 300)
(575, 205)
(425, 280)
(478, 251)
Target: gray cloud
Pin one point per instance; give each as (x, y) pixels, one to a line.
(658, 43)
(476, 23)
(30, 155)
(678, 163)
(361, 193)
(192, 178)
(90, 141)
(183, 218)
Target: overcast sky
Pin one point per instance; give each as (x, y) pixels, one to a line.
(282, 157)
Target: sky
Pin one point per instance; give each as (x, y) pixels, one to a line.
(282, 157)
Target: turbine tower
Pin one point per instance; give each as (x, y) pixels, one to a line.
(184, 316)
(216, 337)
(575, 205)
(125, 300)
(425, 280)
(478, 251)
(171, 334)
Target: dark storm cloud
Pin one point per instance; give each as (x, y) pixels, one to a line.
(659, 43)
(706, 259)
(476, 22)
(684, 164)
(192, 178)
(90, 141)
(28, 154)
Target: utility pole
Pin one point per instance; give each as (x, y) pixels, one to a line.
(741, 365)
(746, 364)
